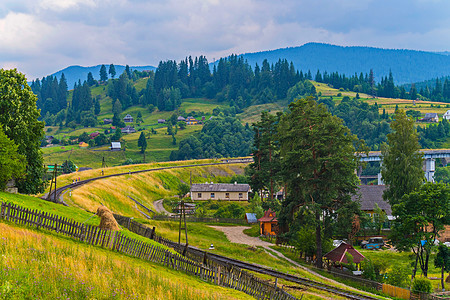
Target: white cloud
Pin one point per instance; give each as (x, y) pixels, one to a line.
(59, 5)
(21, 34)
(44, 36)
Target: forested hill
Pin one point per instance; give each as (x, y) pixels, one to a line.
(75, 73)
(407, 65)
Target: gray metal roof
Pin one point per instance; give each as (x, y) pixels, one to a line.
(115, 145)
(251, 217)
(368, 195)
(220, 187)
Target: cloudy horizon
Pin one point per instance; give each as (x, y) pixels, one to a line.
(40, 37)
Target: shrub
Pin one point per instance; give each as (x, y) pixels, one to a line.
(398, 276)
(422, 285)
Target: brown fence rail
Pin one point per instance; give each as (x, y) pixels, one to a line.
(226, 276)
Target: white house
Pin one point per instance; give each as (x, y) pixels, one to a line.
(115, 146)
(220, 191)
(446, 115)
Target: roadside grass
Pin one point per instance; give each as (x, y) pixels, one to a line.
(40, 266)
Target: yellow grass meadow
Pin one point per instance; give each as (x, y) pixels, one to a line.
(42, 266)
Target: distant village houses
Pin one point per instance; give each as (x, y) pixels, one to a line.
(107, 121)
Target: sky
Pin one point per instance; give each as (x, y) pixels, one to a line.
(40, 37)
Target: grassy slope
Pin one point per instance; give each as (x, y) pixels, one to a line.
(36, 265)
(387, 103)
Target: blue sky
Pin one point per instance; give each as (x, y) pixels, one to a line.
(40, 37)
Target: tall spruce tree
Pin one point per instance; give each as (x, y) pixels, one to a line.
(142, 142)
(319, 163)
(401, 168)
(112, 71)
(103, 74)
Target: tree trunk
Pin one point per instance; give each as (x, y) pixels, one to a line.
(319, 263)
(415, 266)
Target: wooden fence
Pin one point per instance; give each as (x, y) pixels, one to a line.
(226, 276)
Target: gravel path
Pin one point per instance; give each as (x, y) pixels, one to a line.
(236, 234)
(159, 208)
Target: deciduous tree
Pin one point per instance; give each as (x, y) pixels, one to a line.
(12, 164)
(402, 161)
(19, 118)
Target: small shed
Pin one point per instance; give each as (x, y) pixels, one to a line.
(181, 118)
(338, 254)
(251, 218)
(107, 121)
(268, 223)
(115, 146)
(161, 121)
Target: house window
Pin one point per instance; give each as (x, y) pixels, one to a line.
(227, 195)
(212, 195)
(199, 195)
(240, 196)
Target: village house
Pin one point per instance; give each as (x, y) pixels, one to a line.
(107, 121)
(181, 118)
(446, 116)
(368, 196)
(430, 117)
(191, 121)
(220, 191)
(128, 119)
(128, 129)
(161, 121)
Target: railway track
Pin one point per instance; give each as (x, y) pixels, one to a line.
(289, 277)
(60, 190)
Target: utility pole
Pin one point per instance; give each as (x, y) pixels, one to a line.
(183, 219)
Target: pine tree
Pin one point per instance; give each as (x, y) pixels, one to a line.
(142, 142)
(103, 74)
(112, 71)
(90, 79)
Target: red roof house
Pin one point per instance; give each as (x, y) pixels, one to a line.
(338, 254)
(268, 223)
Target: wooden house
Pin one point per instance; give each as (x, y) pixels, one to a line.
(128, 119)
(268, 224)
(128, 129)
(191, 121)
(220, 191)
(430, 117)
(107, 121)
(369, 195)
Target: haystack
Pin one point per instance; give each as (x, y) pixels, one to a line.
(107, 219)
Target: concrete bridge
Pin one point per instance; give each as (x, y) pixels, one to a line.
(429, 156)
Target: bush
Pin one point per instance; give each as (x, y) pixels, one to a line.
(398, 276)
(422, 285)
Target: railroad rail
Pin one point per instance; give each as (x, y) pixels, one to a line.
(212, 258)
(60, 190)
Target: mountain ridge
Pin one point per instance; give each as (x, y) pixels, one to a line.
(407, 66)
